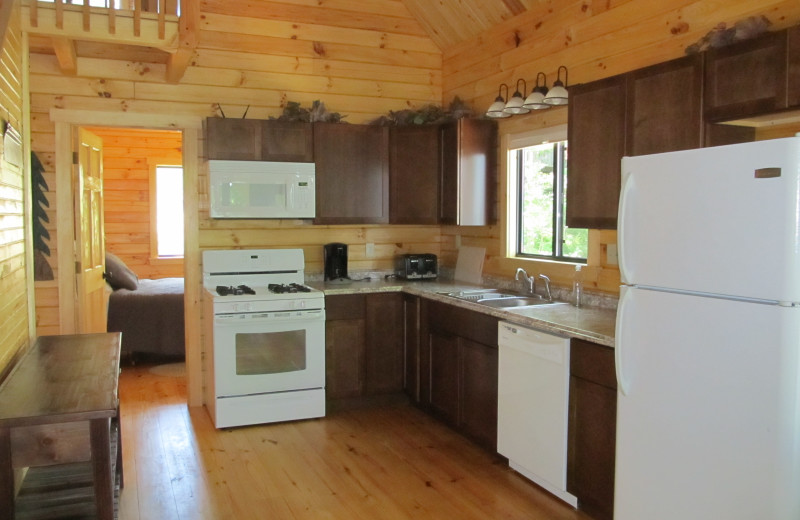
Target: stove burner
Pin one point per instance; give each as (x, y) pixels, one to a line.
(223, 290)
(280, 288)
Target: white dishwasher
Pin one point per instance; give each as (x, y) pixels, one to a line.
(533, 404)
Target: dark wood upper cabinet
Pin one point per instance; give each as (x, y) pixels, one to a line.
(233, 139)
(664, 109)
(747, 78)
(352, 176)
(596, 134)
(468, 172)
(259, 140)
(793, 55)
(414, 159)
(287, 141)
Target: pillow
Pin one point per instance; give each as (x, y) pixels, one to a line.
(118, 275)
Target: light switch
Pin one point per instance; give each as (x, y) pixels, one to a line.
(370, 250)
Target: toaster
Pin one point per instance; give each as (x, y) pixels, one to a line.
(416, 266)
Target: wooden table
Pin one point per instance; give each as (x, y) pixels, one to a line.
(59, 427)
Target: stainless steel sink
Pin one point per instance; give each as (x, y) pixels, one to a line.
(520, 301)
(498, 299)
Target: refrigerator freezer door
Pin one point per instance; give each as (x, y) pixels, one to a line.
(709, 425)
(714, 220)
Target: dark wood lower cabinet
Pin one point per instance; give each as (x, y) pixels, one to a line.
(458, 367)
(478, 378)
(592, 428)
(363, 345)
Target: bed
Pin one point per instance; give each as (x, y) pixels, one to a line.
(149, 313)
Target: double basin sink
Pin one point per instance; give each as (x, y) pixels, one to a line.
(502, 300)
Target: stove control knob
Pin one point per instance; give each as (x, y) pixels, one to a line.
(301, 304)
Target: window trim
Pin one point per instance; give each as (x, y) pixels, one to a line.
(153, 164)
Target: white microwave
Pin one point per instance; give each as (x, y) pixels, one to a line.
(260, 189)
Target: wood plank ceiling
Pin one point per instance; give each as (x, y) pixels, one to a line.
(449, 22)
(446, 22)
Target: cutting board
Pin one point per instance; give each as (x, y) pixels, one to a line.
(469, 264)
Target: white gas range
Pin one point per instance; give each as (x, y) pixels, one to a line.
(267, 363)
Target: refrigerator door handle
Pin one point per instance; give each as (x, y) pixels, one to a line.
(625, 195)
(622, 383)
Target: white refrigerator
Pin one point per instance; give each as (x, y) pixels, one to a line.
(708, 334)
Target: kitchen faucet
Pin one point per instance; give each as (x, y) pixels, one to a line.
(547, 286)
(530, 280)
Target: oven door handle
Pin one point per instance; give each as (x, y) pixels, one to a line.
(274, 317)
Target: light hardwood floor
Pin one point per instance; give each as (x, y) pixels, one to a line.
(389, 462)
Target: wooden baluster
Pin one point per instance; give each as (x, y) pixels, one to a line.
(137, 18)
(112, 17)
(172, 7)
(162, 18)
(59, 14)
(34, 13)
(87, 16)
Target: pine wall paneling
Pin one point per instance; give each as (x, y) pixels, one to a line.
(14, 330)
(386, 65)
(592, 43)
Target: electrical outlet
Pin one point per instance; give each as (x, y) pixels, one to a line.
(611, 254)
(370, 250)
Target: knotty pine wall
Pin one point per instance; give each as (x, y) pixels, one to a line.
(13, 285)
(362, 59)
(593, 40)
(128, 156)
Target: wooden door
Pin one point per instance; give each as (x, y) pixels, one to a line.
(444, 397)
(89, 235)
(478, 383)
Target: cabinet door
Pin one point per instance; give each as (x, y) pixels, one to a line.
(443, 349)
(596, 134)
(345, 343)
(352, 173)
(384, 344)
(344, 358)
(414, 174)
(793, 59)
(478, 381)
(747, 78)
(664, 111)
(233, 139)
(592, 428)
(287, 141)
(411, 344)
(468, 173)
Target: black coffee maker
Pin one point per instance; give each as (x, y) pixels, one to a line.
(335, 258)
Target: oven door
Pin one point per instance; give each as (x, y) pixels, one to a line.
(264, 352)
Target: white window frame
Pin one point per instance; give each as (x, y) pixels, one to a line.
(153, 165)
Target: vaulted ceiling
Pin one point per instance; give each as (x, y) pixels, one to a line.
(449, 22)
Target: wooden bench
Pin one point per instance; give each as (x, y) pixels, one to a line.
(59, 427)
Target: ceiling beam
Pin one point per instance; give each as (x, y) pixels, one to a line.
(188, 28)
(66, 55)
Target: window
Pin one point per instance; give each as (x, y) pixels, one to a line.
(168, 187)
(540, 186)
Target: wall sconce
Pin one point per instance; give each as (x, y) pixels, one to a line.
(515, 105)
(558, 95)
(536, 100)
(497, 109)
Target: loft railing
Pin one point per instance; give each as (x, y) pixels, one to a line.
(160, 10)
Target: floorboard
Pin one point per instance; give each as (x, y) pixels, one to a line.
(387, 462)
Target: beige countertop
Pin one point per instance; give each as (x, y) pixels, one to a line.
(595, 324)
